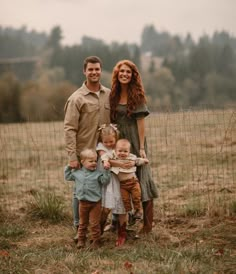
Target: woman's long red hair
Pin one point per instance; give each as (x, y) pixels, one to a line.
(136, 94)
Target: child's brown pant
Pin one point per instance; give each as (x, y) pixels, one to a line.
(131, 189)
(90, 214)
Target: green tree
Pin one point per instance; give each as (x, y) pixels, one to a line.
(227, 61)
(55, 37)
(10, 90)
(44, 99)
(151, 68)
(219, 88)
(200, 59)
(160, 87)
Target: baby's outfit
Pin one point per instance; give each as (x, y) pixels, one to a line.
(129, 183)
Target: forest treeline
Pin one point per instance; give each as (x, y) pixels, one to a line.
(176, 71)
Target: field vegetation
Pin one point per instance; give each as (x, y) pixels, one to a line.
(193, 158)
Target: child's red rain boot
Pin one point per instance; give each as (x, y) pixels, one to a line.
(122, 235)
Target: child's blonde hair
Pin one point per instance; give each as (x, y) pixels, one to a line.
(108, 129)
(87, 153)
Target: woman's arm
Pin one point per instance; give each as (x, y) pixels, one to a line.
(141, 134)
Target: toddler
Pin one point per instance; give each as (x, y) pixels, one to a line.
(88, 181)
(129, 184)
(111, 196)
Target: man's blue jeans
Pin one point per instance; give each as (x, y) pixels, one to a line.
(75, 203)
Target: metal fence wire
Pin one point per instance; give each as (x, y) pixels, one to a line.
(192, 154)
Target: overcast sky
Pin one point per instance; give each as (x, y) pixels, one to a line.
(120, 20)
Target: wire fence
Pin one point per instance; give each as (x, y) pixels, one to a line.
(192, 154)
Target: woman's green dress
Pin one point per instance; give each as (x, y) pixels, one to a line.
(128, 129)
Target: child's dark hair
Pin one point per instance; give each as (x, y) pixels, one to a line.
(93, 60)
(108, 129)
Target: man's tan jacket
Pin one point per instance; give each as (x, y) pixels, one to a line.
(85, 112)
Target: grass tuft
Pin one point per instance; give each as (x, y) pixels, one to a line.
(194, 209)
(4, 244)
(11, 231)
(47, 206)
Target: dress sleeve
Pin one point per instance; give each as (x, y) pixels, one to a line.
(100, 146)
(105, 157)
(141, 112)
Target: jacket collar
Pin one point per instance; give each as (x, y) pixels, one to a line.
(86, 91)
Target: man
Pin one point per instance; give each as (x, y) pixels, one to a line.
(85, 111)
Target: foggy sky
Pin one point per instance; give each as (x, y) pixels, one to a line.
(120, 20)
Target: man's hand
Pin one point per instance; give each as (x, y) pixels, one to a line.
(74, 164)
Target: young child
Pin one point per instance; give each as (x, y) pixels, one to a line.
(129, 184)
(111, 196)
(88, 181)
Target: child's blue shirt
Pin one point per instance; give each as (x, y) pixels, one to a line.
(87, 182)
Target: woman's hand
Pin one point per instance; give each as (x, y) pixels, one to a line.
(142, 153)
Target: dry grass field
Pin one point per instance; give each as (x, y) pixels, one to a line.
(193, 158)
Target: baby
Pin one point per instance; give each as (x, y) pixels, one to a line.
(129, 184)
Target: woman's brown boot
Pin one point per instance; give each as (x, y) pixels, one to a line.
(147, 217)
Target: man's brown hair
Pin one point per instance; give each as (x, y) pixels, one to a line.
(93, 60)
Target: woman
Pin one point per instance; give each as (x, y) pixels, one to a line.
(128, 111)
